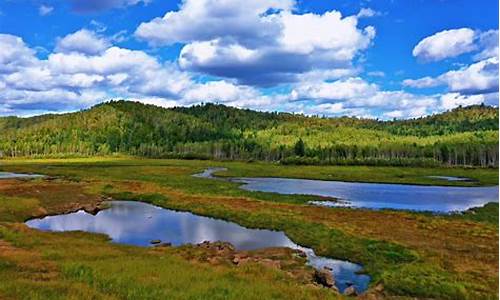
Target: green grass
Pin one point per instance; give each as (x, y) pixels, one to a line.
(85, 266)
(486, 214)
(402, 175)
(411, 254)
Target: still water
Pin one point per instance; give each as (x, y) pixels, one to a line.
(378, 196)
(8, 175)
(136, 223)
(442, 199)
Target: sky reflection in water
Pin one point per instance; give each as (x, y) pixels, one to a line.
(136, 223)
(377, 196)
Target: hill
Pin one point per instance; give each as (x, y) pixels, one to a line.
(463, 136)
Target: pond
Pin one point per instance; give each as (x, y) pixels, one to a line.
(8, 175)
(137, 223)
(441, 199)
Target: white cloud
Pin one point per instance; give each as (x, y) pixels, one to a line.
(454, 42)
(367, 13)
(356, 97)
(337, 90)
(78, 78)
(74, 77)
(98, 26)
(82, 41)
(479, 77)
(243, 22)
(376, 74)
(445, 44)
(488, 42)
(15, 54)
(262, 43)
(424, 82)
(73, 80)
(219, 91)
(452, 100)
(45, 10)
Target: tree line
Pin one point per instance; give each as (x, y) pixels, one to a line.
(462, 137)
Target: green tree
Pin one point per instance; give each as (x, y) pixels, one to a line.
(299, 148)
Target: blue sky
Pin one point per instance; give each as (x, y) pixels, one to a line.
(379, 59)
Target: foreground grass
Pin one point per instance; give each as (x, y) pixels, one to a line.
(442, 257)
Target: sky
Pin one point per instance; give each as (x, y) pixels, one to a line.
(381, 59)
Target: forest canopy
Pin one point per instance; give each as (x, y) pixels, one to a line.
(465, 136)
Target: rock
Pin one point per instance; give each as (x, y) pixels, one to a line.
(324, 278)
(218, 247)
(301, 253)
(93, 210)
(240, 258)
(350, 291)
(327, 268)
(204, 243)
(155, 242)
(270, 263)
(163, 244)
(213, 260)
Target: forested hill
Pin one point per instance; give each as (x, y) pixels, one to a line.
(463, 136)
(462, 119)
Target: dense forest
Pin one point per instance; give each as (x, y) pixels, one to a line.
(465, 136)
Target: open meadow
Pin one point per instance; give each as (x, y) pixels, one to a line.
(406, 254)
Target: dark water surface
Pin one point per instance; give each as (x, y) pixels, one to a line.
(136, 223)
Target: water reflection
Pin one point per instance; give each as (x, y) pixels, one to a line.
(209, 173)
(136, 223)
(8, 175)
(450, 178)
(377, 196)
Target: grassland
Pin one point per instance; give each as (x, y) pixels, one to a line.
(409, 254)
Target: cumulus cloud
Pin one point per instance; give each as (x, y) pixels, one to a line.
(337, 90)
(452, 100)
(262, 43)
(244, 22)
(90, 6)
(319, 74)
(454, 42)
(220, 91)
(357, 97)
(488, 43)
(445, 44)
(73, 79)
(424, 82)
(479, 77)
(82, 41)
(15, 54)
